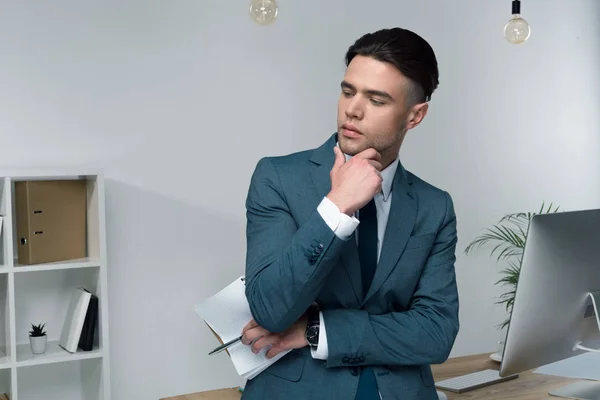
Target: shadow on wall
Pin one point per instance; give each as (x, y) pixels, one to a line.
(164, 256)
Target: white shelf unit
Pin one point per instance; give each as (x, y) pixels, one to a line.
(40, 293)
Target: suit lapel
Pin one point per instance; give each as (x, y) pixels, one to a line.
(322, 161)
(401, 220)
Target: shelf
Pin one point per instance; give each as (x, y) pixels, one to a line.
(5, 382)
(93, 223)
(69, 264)
(44, 297)
(31, 174)
(54, 354)
(78, 380)
(41, 293)
(4, 361)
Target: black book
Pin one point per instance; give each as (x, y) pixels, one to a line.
(86, 340)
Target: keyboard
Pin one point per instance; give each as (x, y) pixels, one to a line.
(476, 380)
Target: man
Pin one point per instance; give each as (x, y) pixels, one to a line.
(350, 258)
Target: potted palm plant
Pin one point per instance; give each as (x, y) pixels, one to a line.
(38, 339)
(508, 238)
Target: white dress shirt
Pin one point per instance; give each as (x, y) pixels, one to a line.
(343, 226)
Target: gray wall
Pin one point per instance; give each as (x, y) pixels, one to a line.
(177, 100)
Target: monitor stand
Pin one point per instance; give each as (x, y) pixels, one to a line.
(585, 390)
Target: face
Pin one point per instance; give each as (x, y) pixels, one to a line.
(373, 111)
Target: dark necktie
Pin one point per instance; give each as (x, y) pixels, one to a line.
(367, 243)
(367, 253)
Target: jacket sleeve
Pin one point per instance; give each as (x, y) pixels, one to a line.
(424, 334)
(286, 263)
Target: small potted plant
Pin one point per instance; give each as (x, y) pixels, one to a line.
(38, 339)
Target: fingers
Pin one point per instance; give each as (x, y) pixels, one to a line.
(380, 186)
(254, 333)
(376, 164)
(369, 154)
(268, 340)
(273, 351)
(340, 159)
(249, 325)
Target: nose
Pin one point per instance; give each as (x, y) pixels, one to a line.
(354, 108)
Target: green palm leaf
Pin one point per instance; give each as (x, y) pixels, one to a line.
(508, 238)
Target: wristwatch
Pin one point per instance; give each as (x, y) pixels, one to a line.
(313, 326)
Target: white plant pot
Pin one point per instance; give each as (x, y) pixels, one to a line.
(38, 344)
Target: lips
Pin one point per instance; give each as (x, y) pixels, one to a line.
(351, 128)
(350, 131)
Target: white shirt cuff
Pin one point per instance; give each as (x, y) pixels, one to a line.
(321, 352)
(341, 224)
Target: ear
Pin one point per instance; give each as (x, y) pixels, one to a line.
(416, 115)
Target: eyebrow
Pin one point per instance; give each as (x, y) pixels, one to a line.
(372, 92)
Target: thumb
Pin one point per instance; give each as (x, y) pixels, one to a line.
(340, 159)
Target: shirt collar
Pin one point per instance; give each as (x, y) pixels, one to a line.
(387, 175)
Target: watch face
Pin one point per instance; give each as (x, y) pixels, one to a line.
(312, 335)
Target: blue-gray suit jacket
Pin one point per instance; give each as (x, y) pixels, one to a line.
(407, 320)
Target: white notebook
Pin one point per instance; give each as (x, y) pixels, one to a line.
(226, 313)
(74, 319)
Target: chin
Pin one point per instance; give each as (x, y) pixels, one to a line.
(351, 148)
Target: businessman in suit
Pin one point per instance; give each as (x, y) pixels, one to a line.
(350, 257)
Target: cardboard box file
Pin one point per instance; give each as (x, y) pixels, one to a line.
(50, 220)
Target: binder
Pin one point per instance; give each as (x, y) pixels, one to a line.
(51, 220)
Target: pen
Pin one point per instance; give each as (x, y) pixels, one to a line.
(225, 346)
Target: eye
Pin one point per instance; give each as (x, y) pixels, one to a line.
(347, 93)
(377, 102)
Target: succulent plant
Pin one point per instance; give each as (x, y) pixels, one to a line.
(37, 330)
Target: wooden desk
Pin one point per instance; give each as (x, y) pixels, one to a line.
(222, 394)
(528, 386)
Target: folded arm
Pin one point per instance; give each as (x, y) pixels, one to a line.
(424, 334)
(286, 264)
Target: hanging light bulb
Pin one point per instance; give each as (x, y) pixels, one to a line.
(263, 12)
(517, 30)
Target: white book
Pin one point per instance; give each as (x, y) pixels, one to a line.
(1, 218)
(226, 313)
(74, 319)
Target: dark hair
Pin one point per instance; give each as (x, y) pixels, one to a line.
(408, 52)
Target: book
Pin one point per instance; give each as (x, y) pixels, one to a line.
(75, 319)
(1, 218)
(226, 313)
(86, 339)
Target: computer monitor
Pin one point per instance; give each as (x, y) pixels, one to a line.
(554, 315)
